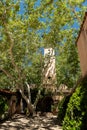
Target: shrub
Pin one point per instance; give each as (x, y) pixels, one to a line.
(3, 106)
(76, 113)
(62, 109)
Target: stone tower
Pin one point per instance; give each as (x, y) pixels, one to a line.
(49, 74)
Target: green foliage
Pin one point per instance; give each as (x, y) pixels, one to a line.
(20, 59)
(76, 114)
(62, 37)
(62, 106)
(68, 69)
(22, 34)
(3, 106)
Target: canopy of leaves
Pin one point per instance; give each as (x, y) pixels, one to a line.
(22, 34)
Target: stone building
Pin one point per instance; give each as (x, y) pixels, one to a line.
(14, 101)
(82, 46)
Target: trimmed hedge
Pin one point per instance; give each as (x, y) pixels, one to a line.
(62, 109)
(76, 113)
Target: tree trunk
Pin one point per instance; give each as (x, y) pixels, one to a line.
(37, 98)
(29, 106)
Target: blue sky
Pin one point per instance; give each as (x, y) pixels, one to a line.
(75, 25)
(85, 3)
(22, 6)
(38, 4)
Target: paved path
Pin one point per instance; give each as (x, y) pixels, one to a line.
(21, 122)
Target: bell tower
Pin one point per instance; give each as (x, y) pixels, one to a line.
(49, 73)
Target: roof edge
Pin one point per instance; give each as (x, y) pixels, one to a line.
(81, 26)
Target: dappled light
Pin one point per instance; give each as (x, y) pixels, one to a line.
(43, 63)
(21, 122)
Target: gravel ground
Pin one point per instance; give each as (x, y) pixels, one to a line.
(21, 122)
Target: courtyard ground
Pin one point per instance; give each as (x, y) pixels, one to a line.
(37, 122)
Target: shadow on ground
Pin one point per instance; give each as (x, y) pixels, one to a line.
(21, 122)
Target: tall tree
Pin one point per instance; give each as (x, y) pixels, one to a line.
(64, 21)
(20, 39)
(19, 45)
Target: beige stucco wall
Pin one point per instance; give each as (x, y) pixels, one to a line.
(82, 48)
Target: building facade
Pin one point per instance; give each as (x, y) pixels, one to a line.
(82, 46)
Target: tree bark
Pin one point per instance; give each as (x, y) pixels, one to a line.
(29, 106)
